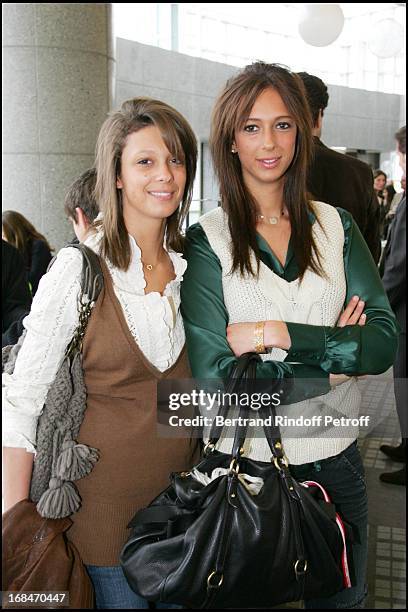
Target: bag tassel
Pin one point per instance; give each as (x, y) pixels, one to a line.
(75, 460)
(60, 500)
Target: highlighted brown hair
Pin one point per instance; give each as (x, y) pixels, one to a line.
(180, 140)
(231, 110)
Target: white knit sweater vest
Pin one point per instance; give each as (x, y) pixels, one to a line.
(316, 301)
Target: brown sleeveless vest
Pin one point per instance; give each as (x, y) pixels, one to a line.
(120, 421)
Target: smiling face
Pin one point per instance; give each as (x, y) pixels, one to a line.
(152, 180)
(266, 142)
(379, 182)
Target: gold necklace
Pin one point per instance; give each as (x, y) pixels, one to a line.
(273, 220)
(148, 266)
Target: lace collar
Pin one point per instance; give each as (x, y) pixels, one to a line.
(133, 280)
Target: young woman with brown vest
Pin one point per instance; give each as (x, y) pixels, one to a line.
(145, 161)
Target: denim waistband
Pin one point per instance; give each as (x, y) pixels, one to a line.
(298, 471)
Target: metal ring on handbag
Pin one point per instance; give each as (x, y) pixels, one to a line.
(207, 446)
(214, 586)
(282, 460)
(234, 466)
(303, 570)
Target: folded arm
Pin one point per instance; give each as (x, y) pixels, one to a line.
(354, 349)
(206, 320)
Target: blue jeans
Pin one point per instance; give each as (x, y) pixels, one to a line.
(343, 478)
(113, 592)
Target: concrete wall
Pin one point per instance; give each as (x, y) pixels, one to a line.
(360, 119)
(56, 62)
(189, 84)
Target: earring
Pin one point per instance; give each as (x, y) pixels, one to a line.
(234, 151)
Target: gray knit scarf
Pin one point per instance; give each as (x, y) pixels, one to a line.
(60, 460)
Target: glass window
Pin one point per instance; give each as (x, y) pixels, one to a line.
(238, 33)
(370, 80)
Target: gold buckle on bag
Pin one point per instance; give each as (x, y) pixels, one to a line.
(234, 466)
(209, 445)
(283, 461)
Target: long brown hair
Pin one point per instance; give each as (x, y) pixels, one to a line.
(20, 232)
(231, 110)
(180, 140)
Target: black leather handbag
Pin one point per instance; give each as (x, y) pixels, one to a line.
(219, 546)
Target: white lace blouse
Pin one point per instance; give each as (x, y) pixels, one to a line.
(154, 321)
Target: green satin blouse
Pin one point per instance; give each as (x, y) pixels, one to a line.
(320, 350)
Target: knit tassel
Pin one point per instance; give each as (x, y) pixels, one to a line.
(75, 460)
(77, 402)
(60, 500)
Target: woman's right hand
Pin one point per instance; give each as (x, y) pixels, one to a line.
(352, 315)
(17, 469)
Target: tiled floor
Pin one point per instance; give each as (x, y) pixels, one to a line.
(387, 533)
(389, 579)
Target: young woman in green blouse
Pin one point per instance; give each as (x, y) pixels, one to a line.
(273, 271)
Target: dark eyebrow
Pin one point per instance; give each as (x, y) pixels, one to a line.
(275, 119)
(148, 151)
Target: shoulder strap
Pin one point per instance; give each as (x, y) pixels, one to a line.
(92, 275)
(91, 285)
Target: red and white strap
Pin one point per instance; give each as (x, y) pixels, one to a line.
(344, 560)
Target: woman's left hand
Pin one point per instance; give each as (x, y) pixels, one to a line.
(240, 336)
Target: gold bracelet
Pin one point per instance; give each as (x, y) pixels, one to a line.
(259, 345)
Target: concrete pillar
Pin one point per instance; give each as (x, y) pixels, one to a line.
(57, 88)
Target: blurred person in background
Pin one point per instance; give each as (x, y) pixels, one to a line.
(394, 281)
(380, 181)
(80, 204)
(338, 179)
(397, 199)
(16, 295)
(388, 193)
(33, 246)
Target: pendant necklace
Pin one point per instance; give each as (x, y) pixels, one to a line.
(150, 266)
(271, 220)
